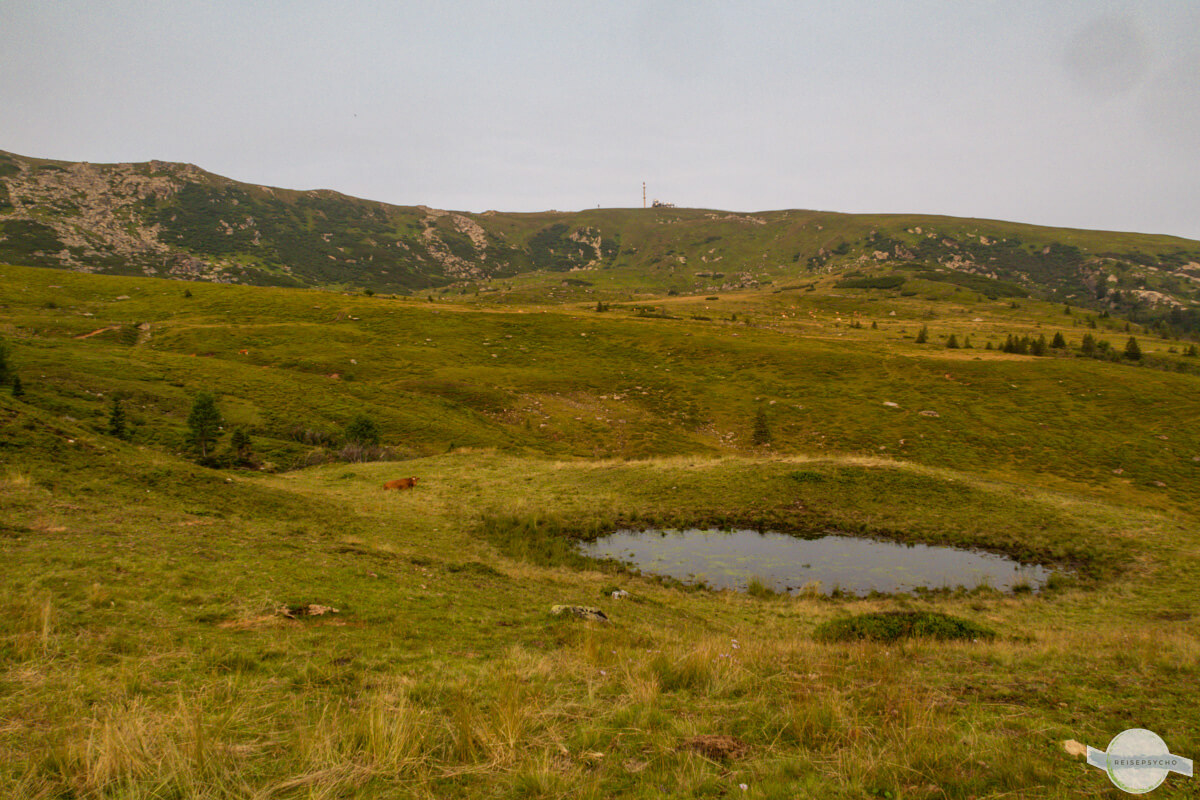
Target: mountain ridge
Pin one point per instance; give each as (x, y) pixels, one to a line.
(177, 220)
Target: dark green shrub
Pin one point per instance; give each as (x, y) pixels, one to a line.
(881, 282)
(362, 430)
(892, 626)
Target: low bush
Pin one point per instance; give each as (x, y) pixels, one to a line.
(892, 626)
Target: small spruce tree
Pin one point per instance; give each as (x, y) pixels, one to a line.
(18, 389)
(952, 342)
(1088, 346)
(1059, 342)
(1037, 346)
(204, 423)
(239, 442)
(922, 335)
(874, 325)
(762, 431)
(1132, 351)
(6, 373)
(187, 292)
(116, 420)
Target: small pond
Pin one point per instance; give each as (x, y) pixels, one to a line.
(729, 559)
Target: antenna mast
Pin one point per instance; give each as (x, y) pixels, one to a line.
(643, 194)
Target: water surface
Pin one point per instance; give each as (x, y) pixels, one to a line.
(729, 559)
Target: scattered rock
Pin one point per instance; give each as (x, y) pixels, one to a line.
(619, 593)
(717, 747)
(1075, 748)
(890, 404)
(929, 413)
(123, 297)
(583, 612)
(1160, 484)
(1118, 471)
(310, 610)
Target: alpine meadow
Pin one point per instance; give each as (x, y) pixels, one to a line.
(209, 593)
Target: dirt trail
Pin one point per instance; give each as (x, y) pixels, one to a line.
(98, 331)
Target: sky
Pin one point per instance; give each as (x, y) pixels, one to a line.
(1077, 114)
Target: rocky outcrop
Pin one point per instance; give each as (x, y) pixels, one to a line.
(582, 612)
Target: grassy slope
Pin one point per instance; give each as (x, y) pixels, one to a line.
(140, 656)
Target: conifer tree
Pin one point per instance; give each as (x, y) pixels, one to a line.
(116, 420)
(204, 423)
(952, 342)
(5, 370)
(923, 335)
(1088, 345)
(239, 442)
(1059, 342)
(1132, 351)
(762, 431)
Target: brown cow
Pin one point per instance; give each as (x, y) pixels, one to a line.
(401, 483)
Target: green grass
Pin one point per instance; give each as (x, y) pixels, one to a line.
(142, 654)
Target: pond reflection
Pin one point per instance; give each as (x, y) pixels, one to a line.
(729, 559)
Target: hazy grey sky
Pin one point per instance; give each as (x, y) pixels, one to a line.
(1082, 114)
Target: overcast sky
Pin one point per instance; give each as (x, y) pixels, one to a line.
(1082, 114)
